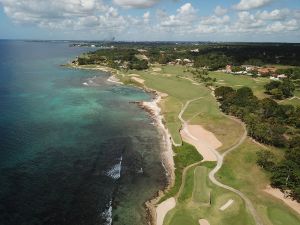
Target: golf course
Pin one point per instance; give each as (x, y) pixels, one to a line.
(230, 188)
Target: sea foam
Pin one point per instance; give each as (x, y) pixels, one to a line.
(115, 171)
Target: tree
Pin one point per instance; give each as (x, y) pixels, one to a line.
(222, 92)
(265, 159)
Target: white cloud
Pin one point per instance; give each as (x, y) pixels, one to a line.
(186, 9)
(277, 14)
(146, 17)
(186, 15)
(278, 26)
(71, 15)
(220, 11)
(251, 4)
(96, 18)
(215, 20)
(136, 3)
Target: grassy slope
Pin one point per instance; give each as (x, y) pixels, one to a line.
(189, 211)
(241, 172)
(205, 112)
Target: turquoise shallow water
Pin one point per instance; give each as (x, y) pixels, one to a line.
(70, 153)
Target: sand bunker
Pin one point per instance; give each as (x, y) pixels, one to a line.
(203, 140)
(156, 69)
(226, 205)
(138, 80)
(278, 194)
(203, 222)
(133, 75)
(162, 210)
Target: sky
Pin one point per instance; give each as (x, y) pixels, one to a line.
(151, 20)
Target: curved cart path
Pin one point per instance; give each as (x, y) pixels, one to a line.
(220, 159)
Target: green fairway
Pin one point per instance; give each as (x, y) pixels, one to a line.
(238, 81)
(191, 210)
(201, 191)
(241, 172)
(281, 217)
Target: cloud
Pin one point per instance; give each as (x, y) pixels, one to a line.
(277, 14)
(215, 20)
(146, 17)
(66, 14)
(136, 3)
(291, 25)
(186, 9)
(185, 16)
(251, 4)
(220, 11)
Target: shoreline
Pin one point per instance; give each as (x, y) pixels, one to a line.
(154, 110)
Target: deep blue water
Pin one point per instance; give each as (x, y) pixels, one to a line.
(69, 152)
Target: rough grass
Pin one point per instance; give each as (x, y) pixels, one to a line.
(185, 155)
(241, 172)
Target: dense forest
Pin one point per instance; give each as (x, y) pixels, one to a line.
(210, 55)
(270, 123)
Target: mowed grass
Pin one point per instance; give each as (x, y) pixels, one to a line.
(190, 211)
(241, 172)
(169, 80)
(201, 191)
(238, 81)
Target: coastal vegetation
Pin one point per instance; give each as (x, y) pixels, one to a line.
(185, 155)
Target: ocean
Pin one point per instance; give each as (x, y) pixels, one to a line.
(73, 149)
